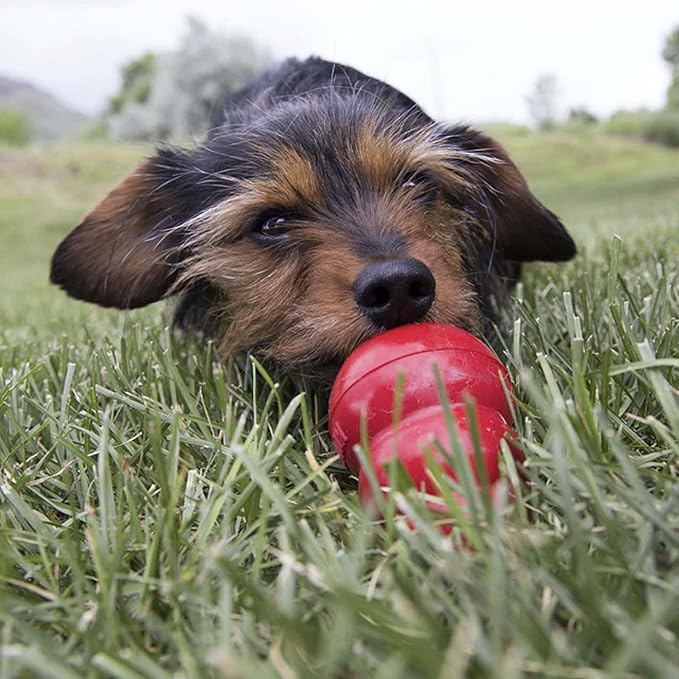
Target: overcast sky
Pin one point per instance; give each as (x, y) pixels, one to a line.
(462, 60)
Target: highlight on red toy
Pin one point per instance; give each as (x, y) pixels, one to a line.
(402, 359)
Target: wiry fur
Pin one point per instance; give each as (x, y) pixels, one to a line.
(361, 173)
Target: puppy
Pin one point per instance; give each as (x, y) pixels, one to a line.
(322, 208)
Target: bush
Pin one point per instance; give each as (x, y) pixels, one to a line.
(629, 123)
(581, 115)
(96, 130)
(15, 127)
(661, 127)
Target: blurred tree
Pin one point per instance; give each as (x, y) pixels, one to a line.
(137, 82)
(542, 102)
(580, 114)
(670, 54)
(176, 95)
(15, 127)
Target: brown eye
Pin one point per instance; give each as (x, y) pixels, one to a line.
(272, 225)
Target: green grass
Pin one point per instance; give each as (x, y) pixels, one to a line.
(162, 515)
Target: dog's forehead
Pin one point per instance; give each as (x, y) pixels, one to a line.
(340, 154)
(333, 137)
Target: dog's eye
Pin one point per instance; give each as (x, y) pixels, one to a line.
(272, 225)
(421, 186)
(413, 181)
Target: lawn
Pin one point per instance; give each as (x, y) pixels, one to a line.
(163, 515)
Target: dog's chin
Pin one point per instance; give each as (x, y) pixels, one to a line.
(322, 370)
(319, 360)
(324, 373)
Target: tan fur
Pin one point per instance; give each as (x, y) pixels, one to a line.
(293, 180)
(383, 158)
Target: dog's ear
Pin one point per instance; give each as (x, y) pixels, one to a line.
(525, 229)
(121, 254)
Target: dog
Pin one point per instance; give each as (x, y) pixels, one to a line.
(323, 207)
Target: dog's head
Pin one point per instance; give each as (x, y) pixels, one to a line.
(314, 225)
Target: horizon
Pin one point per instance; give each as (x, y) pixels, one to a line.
(604, 59)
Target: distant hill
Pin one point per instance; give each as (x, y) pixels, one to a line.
(51, 118)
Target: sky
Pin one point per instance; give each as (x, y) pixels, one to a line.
(470, 60)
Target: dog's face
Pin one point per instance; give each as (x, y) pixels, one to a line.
(319, 224)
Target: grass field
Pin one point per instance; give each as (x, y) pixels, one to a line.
(165, 516)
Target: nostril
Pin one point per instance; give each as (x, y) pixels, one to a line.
(375, 296)
(421, 288)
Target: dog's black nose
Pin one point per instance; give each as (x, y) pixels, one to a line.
(395, 292)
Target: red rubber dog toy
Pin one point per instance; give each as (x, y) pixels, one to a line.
(366, 386)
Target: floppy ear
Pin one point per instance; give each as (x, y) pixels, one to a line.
(121, 254)
(525, 229)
